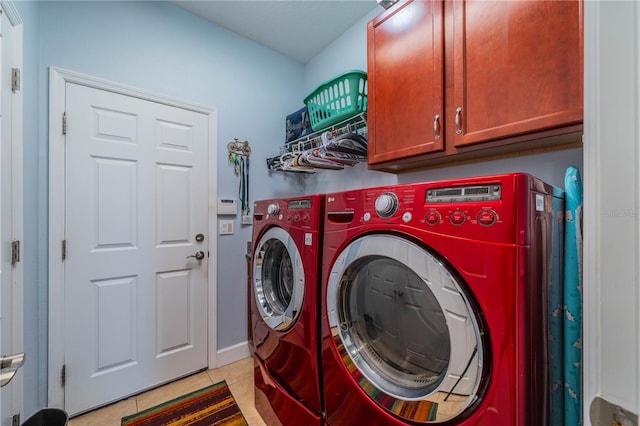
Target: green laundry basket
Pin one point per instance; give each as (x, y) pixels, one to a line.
(337, 99)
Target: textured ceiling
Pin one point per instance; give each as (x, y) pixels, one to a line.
(300, 29)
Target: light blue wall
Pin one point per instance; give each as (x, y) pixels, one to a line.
(158, 47)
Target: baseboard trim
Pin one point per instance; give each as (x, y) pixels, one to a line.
(233, 353)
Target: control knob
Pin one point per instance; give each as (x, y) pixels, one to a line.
(386, 204)
(273, 209)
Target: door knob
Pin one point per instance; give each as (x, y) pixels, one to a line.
(199, 255)
(9, 366)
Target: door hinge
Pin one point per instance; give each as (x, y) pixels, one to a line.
(64, 249)
(15, 251)
(15, 79)
(64, 123)
(63, 374)
(15, 419)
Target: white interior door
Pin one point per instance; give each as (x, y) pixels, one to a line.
(136, 197)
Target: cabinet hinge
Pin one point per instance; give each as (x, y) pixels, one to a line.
(64, 249)
(64, 123)
(63, 374)
(15, 79)
(15, 251)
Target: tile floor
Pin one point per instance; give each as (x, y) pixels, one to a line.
(239, 377)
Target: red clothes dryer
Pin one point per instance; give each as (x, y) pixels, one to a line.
(437, 300)
(284, 309)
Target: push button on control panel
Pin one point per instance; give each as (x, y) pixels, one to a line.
(487, 217)
(457, 217)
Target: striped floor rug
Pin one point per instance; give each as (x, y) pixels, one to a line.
(210, 406)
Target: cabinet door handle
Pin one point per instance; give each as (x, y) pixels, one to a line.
(436, 126)
(458, 123)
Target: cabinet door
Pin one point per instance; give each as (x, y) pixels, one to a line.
(517, 68)
(405, 77)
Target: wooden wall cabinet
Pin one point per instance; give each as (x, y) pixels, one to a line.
(453, 81)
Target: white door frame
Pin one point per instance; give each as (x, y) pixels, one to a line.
(57, 81)
(17, 273)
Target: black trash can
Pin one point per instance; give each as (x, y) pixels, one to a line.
(48, 417)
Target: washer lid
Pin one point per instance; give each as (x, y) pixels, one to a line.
(405, 329)
(278, 279)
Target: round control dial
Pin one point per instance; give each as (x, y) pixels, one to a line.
(457, 217)
(386, 204)
(487, 217)
(433, 217)
(273, 209)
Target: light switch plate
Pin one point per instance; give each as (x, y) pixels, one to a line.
(225, 227)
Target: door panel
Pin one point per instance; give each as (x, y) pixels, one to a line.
(114, 340)
(173, 189)
(136, 191)
(174, 306)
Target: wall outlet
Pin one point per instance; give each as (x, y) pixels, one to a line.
(247, 220)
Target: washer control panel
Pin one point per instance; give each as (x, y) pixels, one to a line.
(304, 213)
(456, 207)
(499, 208)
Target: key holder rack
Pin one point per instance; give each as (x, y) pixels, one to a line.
(236, 148)
(239, 153)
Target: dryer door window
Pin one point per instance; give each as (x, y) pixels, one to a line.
(405, 329)
(278, 279)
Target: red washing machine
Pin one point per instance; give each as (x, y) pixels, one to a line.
(437, 300)
(284, 309)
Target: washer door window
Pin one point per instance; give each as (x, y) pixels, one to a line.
(278, 279)
(404, 329)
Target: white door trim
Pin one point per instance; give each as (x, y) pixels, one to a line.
(591, 188)
(17, 214)
(611, 208)
(57, 80)
(9, 7)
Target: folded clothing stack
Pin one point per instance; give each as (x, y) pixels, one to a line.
(298, 124)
